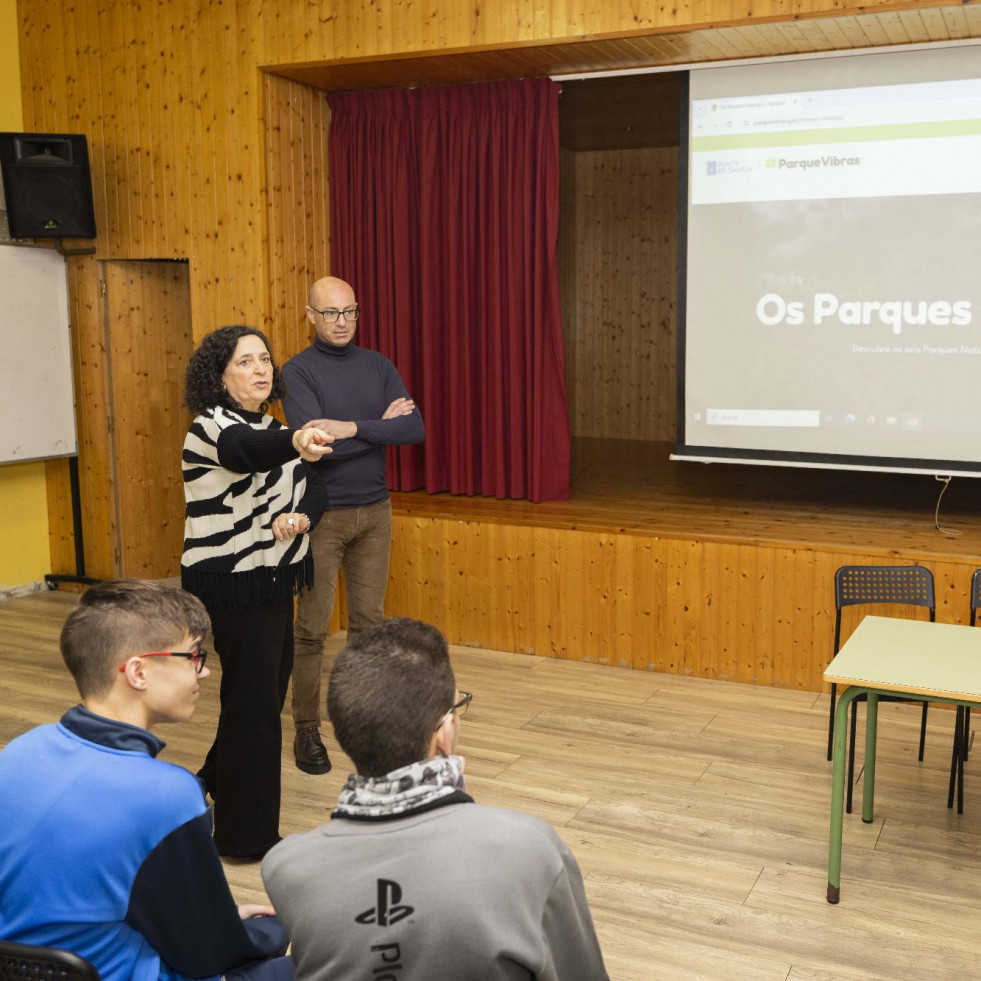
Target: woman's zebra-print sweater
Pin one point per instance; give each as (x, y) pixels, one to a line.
(240, 472)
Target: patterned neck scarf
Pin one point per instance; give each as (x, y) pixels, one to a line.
(402, 791)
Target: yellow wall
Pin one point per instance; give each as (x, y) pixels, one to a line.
(24, 554)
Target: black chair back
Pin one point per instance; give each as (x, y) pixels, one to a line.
(20, 962)
(910, 585)
(975, 595)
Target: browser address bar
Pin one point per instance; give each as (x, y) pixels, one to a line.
(794, 116)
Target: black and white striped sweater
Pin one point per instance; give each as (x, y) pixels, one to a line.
(240, 472)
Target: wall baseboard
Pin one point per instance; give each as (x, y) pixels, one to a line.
(28, 589)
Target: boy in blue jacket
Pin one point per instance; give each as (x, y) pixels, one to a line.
(105, 850)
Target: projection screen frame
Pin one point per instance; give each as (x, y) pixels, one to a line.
(757, 457)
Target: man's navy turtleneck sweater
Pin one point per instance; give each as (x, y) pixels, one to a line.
(352, 384)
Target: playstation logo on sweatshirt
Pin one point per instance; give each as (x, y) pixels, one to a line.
(389, 911)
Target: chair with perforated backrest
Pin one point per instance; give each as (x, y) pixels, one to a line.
(962, 723)
(872, 585)
(20, 962)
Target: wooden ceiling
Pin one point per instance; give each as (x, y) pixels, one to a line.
(640, 110)
(574, 56)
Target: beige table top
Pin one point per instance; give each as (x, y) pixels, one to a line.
(913, 656)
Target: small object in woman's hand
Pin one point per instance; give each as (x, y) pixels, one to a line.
(290, 521)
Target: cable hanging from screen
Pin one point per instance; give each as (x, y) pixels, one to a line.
(949, 532)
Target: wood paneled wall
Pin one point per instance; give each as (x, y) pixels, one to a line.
(131, 338)
(171, 97)
(296, 122)
(619, 229)
(196, 156)
(93, 412)
(148, 329)
(749, 613)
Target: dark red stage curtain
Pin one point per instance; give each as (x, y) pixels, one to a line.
(444, 209)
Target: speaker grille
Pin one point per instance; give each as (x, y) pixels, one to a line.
(51, 202)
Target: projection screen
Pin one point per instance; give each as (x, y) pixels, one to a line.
(830, 304)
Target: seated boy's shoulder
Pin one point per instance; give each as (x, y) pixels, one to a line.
(25, 758)
(298, 842)
(176, 777)
(27, 741)
(169, 789)
(99, 788)
(170, 799)
(500, 826)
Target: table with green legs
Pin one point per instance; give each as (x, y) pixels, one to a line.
(928, 662)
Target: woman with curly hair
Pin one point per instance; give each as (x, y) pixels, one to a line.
(249, 506)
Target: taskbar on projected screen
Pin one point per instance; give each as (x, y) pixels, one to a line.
(893, 420)
(854, 424)
(685, 452)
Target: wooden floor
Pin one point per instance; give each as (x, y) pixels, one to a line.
(631, 486)
(697, 809)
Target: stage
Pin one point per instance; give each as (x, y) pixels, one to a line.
(719, 571)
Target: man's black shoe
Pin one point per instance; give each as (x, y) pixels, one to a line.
(310, 751)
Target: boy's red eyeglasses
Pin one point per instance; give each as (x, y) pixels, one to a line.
(197, 658)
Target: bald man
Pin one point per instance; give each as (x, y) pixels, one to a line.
(356, 396)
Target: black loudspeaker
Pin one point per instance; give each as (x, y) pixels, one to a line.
(47, 186)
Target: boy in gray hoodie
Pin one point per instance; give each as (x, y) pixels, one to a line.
(412, 880)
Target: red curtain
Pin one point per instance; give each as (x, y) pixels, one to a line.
(444, 209)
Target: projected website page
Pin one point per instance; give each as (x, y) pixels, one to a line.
(833, 301)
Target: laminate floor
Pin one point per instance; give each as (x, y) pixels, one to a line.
(698, 811)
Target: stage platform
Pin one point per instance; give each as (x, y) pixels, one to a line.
(721, 571)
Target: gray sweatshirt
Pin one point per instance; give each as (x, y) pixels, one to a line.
(459, 892)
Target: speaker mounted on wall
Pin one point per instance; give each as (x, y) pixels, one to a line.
(47, 185)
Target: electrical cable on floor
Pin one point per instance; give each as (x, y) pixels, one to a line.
(949, 532)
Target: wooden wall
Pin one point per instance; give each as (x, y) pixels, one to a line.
(750, 613)
(171, 96)
(619, 229)
(149, 342)
(131, 339)
(92, 412)
(198, 155)
(295, 128)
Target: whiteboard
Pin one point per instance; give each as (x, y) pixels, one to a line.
(37, 397)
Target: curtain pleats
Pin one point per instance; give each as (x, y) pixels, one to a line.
(444, 205)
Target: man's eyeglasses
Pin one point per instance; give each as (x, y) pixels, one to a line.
(197, 658)
(331, 316)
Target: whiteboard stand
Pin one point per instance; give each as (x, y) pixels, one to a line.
(53, 579)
